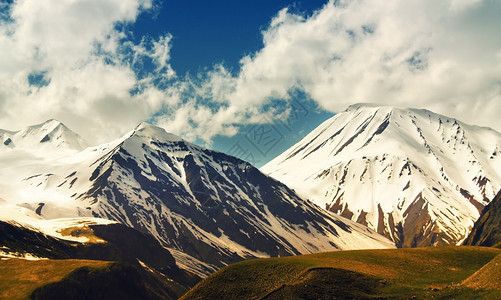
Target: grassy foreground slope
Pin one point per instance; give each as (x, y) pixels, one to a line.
(20, 277)
(83, 279)
(488, 277)
(435, 272)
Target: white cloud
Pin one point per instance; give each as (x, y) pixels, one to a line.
(64, 33)
(441, 55)
(88, 64)
(444, 56)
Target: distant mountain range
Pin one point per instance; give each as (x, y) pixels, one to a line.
(150, 214)
(414, 176)
(211, 206)
(50, 134)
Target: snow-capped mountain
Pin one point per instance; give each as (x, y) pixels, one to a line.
(49, 135)
(212, 206)
(414, 176)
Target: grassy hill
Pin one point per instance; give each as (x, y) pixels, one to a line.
(83, 279)
(488, 277)
(20, 277)
(118, 263)
(435, 272)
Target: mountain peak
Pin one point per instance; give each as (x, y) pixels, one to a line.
(51, 133)
(145, 125)
(378, 164)
(52, 121)
(384, 108)
(148, 130)
(365, 105)
(50, 124)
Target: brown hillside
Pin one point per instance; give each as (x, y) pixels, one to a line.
(422, 273)
(20, 277)
(487, 229)
(488, 277)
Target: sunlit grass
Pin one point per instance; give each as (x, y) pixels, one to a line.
(20, 277)
(421, 272)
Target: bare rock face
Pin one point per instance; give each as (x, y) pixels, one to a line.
(414, 176)
(487, 229)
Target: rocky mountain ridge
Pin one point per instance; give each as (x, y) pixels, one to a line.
(209, 205)
(417, 177)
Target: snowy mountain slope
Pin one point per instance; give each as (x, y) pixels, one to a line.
(31, 152)
(212, 206)
(27, 218)
(414, 176)
(50, 135)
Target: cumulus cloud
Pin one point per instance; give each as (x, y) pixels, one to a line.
(445, 56)
(75, 61)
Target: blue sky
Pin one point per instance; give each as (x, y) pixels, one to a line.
(206, 33)
(219, 73)
(210, 32)
(261, 142)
